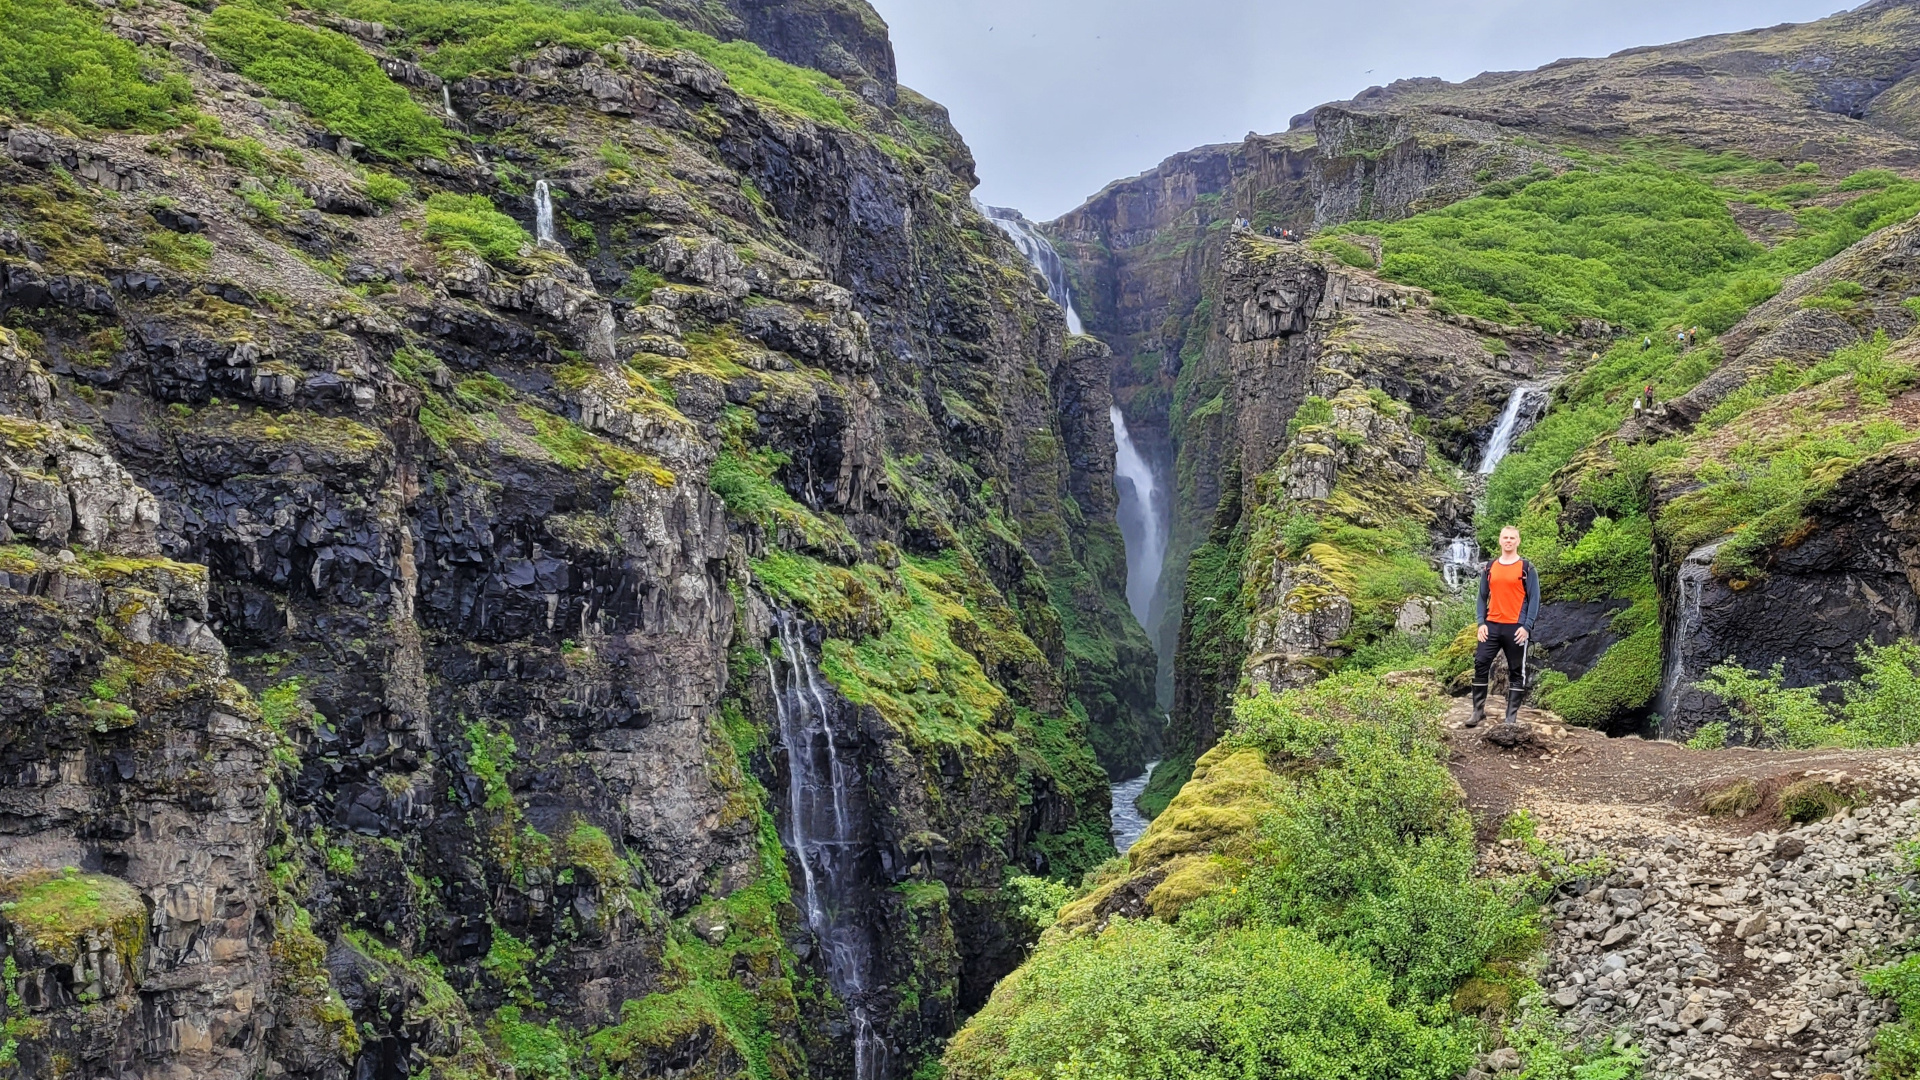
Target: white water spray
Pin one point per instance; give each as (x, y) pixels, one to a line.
(446, 102)
(1688, 584)
(1524, 406)
(1040, 253)
(543, 215)
(1128, 822)
(823, 832)
(1145, 521)
(1461, 562)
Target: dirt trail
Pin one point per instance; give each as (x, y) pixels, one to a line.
(1562, 764)
(1724, 946)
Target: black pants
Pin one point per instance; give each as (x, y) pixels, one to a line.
(1500, 640)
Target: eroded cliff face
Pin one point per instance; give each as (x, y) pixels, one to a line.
(1324, 430)
(393, 607)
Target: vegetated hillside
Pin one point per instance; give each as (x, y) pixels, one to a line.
(394, 593)
(1607, 201)
(1718, 223)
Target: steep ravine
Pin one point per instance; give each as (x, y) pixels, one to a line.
(606, 574)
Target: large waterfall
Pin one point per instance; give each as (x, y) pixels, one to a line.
(1145, 522)
(826, 816)
(543, 215)
(1040, 254)
(1524, 406)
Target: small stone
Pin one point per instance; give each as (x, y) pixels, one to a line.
(1567, 998)
(1505, 1059)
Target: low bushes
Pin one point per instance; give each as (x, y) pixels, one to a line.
(56, 59)
(1332, 912)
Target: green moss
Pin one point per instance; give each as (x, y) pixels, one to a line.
(328, 74)
(57, 61)
(464, 37)
(56, 910)
(471, 223)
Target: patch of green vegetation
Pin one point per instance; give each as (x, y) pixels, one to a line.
(54, 910)
(1317, 906)
(1758, 489)
(640, 283)
(1880, 708)
(386, 190)
(463, 37)
(58, 62)
(190, 253)
(1636, 244)
(1345, 250)
(909, 666)
(471, 223)
(328, 74)
(746, 478)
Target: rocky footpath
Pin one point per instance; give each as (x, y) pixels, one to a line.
(1722, 946)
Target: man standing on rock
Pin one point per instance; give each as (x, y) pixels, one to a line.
(1509, 599)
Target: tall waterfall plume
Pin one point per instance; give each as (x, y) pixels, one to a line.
(1146, 523)
(826, 815)
(543, 215)
(1038, 252)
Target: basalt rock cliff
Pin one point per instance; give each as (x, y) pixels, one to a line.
(395, 591)
(1210, 377)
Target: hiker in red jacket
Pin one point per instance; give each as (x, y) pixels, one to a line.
(1509, 599)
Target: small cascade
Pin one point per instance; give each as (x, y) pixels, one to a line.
(1128, 822)
(1038, 252)
(1524, 407)
(446, 102)
(1460, 563)
(543, 216)
(823, 831)
(1145, 522)
(1688, 585)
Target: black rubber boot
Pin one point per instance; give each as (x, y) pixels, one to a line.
(1479, 705)
(1514, 697)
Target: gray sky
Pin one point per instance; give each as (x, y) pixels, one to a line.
(1058, 97)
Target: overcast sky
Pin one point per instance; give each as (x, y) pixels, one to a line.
(1058, 97)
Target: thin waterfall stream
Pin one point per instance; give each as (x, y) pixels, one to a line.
(824, 831)
(543, 233)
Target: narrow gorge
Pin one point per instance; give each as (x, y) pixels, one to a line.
(544, 542)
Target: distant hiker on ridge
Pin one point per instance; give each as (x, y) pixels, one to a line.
(1509, 599)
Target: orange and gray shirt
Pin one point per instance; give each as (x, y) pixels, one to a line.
(1509, 593)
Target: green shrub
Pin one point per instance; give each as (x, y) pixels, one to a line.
(1770, 712)
(470, 222)
(1879, 708)
(386, 190)
(1346, 251)
(1710, 736)
(1315, 411)
(1141, 1000)
(329, 75)
(56, 59)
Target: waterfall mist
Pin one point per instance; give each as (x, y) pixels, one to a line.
(1041, 254)
(1146, 523)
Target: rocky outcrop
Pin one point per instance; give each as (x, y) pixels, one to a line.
(489, 537)
(1375, 357)
(1843, 578)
